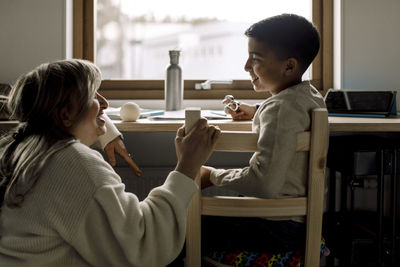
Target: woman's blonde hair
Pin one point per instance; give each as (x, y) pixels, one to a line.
(37, 100)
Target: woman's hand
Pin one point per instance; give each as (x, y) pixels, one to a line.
(245, 111)
(194, 148)
(118, 146)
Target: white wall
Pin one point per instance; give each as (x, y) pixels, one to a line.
(368, 35)
(32, 32)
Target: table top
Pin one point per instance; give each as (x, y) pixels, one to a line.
(336, 124)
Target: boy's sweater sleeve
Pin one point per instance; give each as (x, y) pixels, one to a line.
(119, 230)
(265, 176)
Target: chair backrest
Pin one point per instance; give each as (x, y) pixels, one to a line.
(315, 141)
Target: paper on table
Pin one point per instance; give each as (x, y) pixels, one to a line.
(180, 115)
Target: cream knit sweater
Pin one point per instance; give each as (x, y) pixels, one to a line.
(78, 214)
(277, 170)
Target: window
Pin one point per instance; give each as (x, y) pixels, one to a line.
(129, 40)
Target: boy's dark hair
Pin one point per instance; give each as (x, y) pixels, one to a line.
(288, 35)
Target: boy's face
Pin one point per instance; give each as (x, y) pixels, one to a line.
(267, 71)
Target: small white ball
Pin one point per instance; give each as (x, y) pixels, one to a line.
(130, 111)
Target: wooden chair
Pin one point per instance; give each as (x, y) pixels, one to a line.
(315, 141)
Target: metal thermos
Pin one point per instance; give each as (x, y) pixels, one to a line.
(174, 83)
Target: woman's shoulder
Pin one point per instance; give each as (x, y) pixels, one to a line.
(79, 160)
(78, 153)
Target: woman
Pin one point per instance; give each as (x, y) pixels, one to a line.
(63, 205)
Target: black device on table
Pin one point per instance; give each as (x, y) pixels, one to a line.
(361, 103)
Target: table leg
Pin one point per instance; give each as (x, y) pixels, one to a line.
(394, 205)
(380, 205)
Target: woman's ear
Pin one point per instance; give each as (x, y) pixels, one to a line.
(66, 117)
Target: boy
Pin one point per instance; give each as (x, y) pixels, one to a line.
(280, 49)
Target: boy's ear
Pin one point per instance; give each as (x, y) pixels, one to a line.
(291, 66)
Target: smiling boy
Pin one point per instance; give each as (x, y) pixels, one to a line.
(280, 49)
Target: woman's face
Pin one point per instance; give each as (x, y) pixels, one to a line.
(92, 125)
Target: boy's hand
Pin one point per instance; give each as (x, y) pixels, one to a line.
(205, 173)
(245, 112)
(195, 147)
(118, 146)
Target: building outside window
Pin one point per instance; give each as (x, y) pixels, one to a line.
(133, 37)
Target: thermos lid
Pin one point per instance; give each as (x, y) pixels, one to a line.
(174, 56)
(174, 52)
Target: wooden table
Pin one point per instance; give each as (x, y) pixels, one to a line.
(336, 124)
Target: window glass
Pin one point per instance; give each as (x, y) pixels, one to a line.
(133, 37)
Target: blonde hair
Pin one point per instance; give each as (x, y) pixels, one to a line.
(36, 101)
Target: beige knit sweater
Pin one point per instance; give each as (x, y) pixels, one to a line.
(78, 214)
(277, 170)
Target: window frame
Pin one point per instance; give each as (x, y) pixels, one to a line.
(84, 43)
